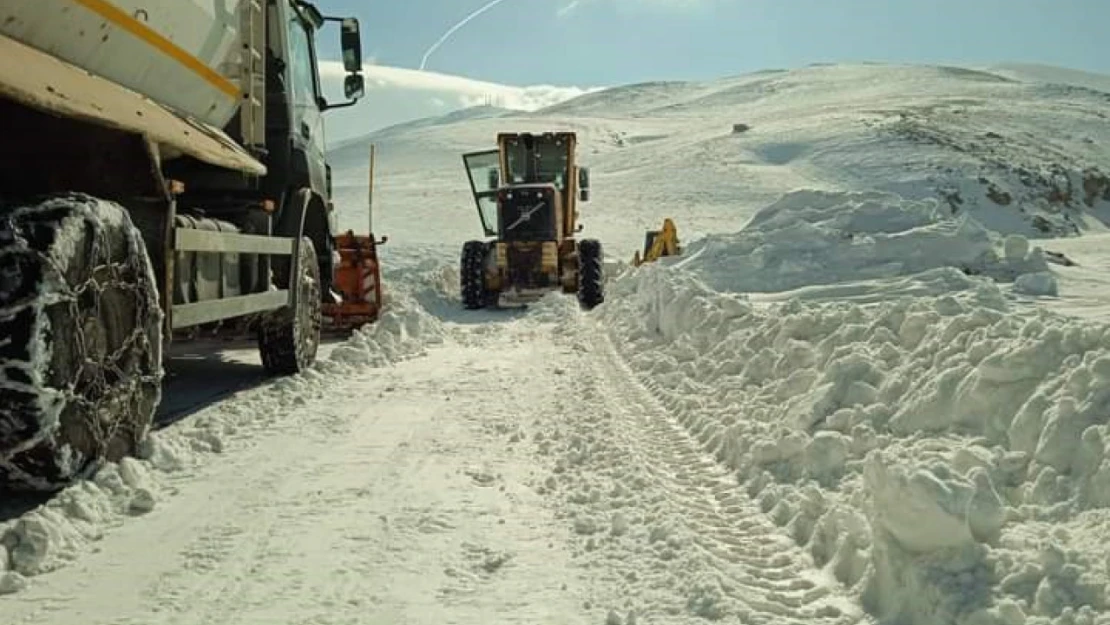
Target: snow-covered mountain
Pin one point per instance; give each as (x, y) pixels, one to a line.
(1022, 155)
(873, 389)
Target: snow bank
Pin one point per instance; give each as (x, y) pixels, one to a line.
(59, 531)
(820, 238)
(942, 455)
(897, 442)
(404, 330)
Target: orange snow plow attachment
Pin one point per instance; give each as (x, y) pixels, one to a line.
(357, 277)
(357, 280)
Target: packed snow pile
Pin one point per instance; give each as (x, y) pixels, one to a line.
(59, 531)
(49, 537)
(918, 447)
(813, 238)
(404, 330)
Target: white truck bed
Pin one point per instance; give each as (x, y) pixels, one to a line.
(184, 54)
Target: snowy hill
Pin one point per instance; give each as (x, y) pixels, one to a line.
(1023, 157)
(867, 392)
(1048, 74)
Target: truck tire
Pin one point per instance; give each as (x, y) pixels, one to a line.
(472, 281)
(288, 339)
(591, 280)
(81, 359)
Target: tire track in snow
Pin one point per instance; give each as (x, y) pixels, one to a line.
(244, 581)
(720, 554)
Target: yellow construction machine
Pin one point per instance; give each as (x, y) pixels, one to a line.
(659, 243)
(527, 193)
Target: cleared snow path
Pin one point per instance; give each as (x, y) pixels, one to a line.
(664, 521)
(407, 503)
(515, 473)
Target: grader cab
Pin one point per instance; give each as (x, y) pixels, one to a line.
(527, 193)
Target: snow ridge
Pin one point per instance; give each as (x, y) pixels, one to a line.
(811, 237)
(914, 446)
(659, 520)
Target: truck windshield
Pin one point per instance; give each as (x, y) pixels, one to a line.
(300, 61)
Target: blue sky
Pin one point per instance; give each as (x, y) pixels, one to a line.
(596, 43)
(620, 41)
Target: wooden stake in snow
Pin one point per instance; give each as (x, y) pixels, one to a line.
(370, 195)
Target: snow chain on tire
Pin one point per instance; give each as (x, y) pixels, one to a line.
(288, 340)
(81, 355)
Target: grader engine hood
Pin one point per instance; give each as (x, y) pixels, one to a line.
(528, 213)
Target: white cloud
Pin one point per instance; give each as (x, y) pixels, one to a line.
(571, 6)
(396, 95)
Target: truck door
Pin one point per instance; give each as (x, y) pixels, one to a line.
(308, 120)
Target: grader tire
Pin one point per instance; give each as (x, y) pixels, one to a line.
(591, 280)
(472, 282)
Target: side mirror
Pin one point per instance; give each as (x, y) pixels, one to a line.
(350, 40)
(354, 86)
(584, 184)
(493, 178)
(583, 195)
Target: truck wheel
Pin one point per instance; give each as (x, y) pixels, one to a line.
(288, 339)
(472, 281)
(81, 354)
(591, 289)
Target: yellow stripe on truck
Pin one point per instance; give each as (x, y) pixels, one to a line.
(121, 19)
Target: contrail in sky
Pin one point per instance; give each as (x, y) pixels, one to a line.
(451, 31)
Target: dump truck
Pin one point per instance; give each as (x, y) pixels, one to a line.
(527, 192)
(162, 167)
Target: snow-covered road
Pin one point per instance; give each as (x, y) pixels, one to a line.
(200, 373)
(398, 505)
(514, 473)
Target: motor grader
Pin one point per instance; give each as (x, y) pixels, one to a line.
(527, 193)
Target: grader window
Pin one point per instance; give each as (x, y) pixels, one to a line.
(481, 170)
(548, 162)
